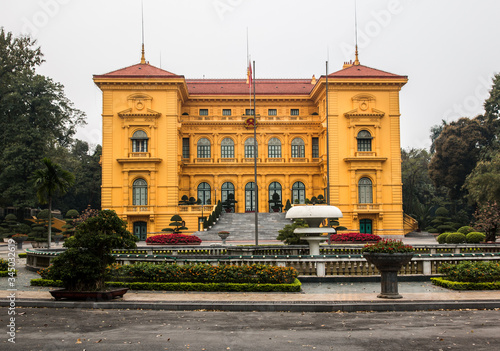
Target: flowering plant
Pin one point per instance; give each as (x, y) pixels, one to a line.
(173, 239)
(223, 232)
(388, 246)
(354, 237)
(19, 236)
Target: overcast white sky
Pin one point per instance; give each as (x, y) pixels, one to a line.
(448, 48)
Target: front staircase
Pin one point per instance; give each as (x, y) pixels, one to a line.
(242, 226)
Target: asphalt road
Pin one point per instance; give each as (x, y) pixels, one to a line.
(87, 329)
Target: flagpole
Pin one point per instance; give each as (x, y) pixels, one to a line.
(327, 144)
(255, 153)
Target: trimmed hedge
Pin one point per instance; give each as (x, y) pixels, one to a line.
(465, 230)
(354, 237)
(455, 238)
(441, 238)
(201, 273)
(475, 237)
(235, 287)
(173, 239)
(471, 271)
(6, 273)
(449, 284)
(22, 255)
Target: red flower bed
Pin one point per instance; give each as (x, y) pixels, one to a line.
(354, 237)
(173, 239)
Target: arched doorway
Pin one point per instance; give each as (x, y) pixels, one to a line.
(275, 202)
(299, 193)
(365, 226)
(250, 197)
(141, 230)
(227, 192)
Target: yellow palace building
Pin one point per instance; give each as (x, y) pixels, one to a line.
(166, 137)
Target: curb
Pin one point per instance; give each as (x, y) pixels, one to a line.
(265, 306)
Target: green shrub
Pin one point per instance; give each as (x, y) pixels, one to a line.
(455, 238)
(200, 273)
(442, 238)
(465, 230)
(246, 287)
(22, 255)
(4, 265)
(475, 237)
(472, 272)
(288, 236)
(465, 286)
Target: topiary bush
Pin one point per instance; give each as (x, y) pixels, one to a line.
(354, 237)
(442, 238)
(465, 230)
(455, 238)
(475, 237)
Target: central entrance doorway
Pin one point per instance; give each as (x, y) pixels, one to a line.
(141, 230)
(250, 197)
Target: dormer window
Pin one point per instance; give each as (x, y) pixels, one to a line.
(140, 141)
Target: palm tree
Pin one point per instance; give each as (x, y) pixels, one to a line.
(49, 181)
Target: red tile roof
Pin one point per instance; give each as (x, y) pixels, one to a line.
(240, 86)
(361, 71)
(139, 70)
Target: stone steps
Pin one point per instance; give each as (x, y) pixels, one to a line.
(242, 226)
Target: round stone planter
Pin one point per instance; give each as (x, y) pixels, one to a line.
(388, 265)
(223, 237)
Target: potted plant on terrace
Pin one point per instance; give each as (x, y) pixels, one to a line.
(19, 239)
(388, 256)
(82, 267)
(223, 235)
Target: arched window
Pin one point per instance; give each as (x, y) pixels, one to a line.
(299, 193)
(203, 148)
(249, 148)
(365, 191)
(140, 193)
(140, 141)
(298, 148)
(227, 192)
(274, 148)
(275, 203)
(204, 193)
(227, 148)
(250, 197)
(364, 141)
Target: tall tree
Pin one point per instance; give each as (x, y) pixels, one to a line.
(50, 181)
(458, 149)
(35, 117)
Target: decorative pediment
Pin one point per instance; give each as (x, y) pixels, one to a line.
(148, 113)
(358, 112)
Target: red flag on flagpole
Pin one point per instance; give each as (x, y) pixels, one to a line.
(249, 74)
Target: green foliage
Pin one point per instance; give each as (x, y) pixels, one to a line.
(483, 183)
(83, 265)
(4, 274)
(475, 237)
(442, 238)
(288, 205)
(22, 255)
(289, 237)
(465, 286)
(387, 246)
(36, 118)
(458, 149)
(465, 229)
(203, 273)
(455, 238)
(488, 220)
(235, 287)
(4, 264)
(178, 224)
(442, 222)
(471, 271)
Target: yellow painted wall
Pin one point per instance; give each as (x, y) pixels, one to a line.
(167, 113)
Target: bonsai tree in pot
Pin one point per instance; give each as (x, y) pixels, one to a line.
(228, 204)
(388, 256)
(82, 267)
(275, 203)
(177, 223)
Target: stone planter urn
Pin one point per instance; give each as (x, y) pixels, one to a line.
(57, 238)
(389, 265)
(19, 241)
(223, 236)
